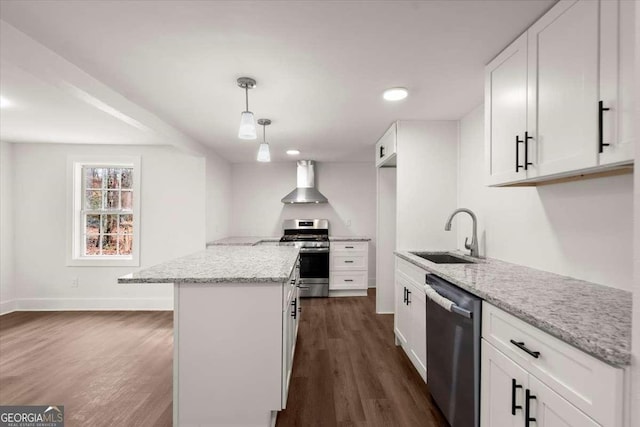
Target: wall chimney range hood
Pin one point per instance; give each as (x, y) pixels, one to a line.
(306, 191)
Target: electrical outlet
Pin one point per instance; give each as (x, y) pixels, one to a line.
(75, 282)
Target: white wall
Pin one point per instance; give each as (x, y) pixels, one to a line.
(172, 225)
(218, 196)
(350, 187)
(6, 228)
(578, 229)
(426, 184)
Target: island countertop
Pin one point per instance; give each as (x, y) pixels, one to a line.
(591, 317)
(257, 240)
(223, 264)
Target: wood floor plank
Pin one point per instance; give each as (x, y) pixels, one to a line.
(383, 383)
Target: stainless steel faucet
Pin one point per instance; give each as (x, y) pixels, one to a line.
(473, 247)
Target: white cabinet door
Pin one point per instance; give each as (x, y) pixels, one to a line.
(418, 341)
(616, 80)
(506, 114)
(551, 410)
(401, 318)
(386, 147)
(503, 388)
(563, 88)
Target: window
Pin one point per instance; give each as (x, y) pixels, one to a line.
(105, 216)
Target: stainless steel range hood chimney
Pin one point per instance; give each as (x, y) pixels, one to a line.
(306, 191)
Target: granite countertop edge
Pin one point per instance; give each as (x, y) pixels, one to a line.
(132, 280)
(610, 356)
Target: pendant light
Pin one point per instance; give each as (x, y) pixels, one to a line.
(263, 151)
(247, 122)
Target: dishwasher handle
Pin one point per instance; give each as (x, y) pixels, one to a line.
(445, 303)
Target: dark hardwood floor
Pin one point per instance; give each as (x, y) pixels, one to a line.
(106, 368)
(115, 368)
(347, 371)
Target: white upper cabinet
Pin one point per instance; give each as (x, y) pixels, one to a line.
(563, 88)
(616, 80)
(386, 148)
(578, 68)
(506, 114)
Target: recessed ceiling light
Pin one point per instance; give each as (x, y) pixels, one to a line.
(395, 94)
(293, 152)
(4, 102)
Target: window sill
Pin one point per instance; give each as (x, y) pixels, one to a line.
(103, 262)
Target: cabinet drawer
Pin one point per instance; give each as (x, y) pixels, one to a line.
(415, 274)
(349, 246)
(348, 280)
(593, 386)
(346, 261)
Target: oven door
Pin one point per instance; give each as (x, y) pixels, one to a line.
(314, 264)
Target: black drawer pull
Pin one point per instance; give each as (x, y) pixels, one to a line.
(348, 262)
(514, 387)
(294, 313)
(518, 142)
(348, 280)
(527, 407)
(527, 163)
(381, 151)
(408, 295)
(601, 144)
(348, 247)
(405, 296)
(521, 346)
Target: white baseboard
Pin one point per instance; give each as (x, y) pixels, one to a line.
(385, 312)
(347, 293)
(93, 304)
(7, 307)
(372, 282)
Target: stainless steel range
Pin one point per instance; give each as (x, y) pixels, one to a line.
(312, 237)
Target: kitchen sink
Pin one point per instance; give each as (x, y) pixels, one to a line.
(442, 258)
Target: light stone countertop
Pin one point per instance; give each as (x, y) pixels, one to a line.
(242, 241)
(594, 318)
(223, 264)
(256, 240)
(349, 239)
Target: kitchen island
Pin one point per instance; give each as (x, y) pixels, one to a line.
(235, 327)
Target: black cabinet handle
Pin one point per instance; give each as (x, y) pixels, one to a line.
(601, 110)
(348, 247)
(527, 407)
(348, 280)
(348, 262)
(518, 142)
(294, 313)
(514, 387)
(521, 346)
(527, 163)
(405, 296)
(381, 151)
(408, 295)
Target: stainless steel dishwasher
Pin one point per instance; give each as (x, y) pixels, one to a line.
(453, 351)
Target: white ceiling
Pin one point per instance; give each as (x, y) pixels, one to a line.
(321, 66)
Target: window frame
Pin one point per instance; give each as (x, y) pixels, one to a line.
(75, 223)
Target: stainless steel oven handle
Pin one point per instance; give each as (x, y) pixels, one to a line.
(315, 250)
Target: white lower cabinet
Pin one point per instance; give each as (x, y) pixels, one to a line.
(528, 374)
(410, 321)
(349, 268)
(290, 320)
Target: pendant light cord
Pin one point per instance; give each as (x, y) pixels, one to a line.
(264, 132)
(246, 95)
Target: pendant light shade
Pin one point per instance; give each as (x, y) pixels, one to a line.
(263, 152)
(247, 123)
(247, 126)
